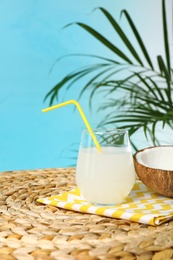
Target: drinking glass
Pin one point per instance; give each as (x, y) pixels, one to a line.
(105, 177)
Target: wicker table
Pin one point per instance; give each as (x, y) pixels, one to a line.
(30, 230)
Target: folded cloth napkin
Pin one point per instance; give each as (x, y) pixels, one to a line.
(142, 205)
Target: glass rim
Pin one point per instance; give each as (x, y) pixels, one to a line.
(100, 131)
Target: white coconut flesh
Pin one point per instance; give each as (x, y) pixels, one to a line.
(157, 157)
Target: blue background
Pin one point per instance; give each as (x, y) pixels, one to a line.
(31, 40)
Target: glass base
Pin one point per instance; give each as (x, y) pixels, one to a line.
(104, 205)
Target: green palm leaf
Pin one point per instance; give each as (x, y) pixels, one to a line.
(139, 39)
(136, 96)
(165, 31)
(104, 41)
(122, 35)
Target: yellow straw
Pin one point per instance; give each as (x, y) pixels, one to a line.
(82, 115)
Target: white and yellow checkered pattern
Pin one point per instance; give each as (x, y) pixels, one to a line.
(142, 205)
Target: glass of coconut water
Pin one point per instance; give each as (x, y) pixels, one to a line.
(105, 177)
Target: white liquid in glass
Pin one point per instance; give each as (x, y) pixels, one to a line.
(106, 177)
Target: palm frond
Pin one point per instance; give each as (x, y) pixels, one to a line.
(166, 44)
(105, 42)
(122, 35)
(138, 38)
(136, 96)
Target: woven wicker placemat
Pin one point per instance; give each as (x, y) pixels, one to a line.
(30, 230)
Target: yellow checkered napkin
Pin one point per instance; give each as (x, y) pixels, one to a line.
(142, 205)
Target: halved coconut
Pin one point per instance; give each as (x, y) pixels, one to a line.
(154, 167)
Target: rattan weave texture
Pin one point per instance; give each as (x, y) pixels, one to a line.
(30, 230)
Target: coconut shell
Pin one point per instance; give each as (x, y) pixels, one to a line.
(160, 181)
